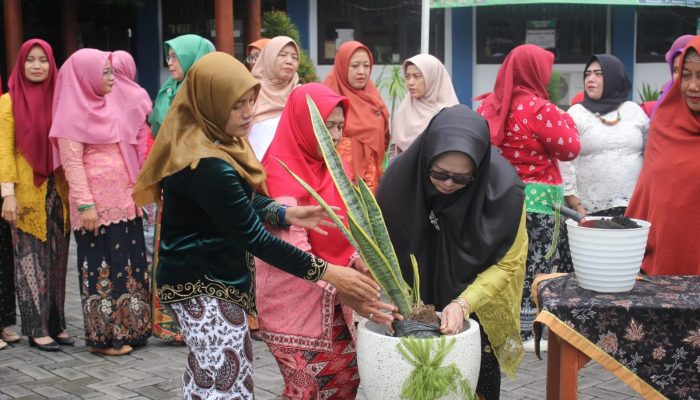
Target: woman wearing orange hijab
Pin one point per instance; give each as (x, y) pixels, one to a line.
(366, 134)
(667, 193)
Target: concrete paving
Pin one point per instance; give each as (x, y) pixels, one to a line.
(154, 371)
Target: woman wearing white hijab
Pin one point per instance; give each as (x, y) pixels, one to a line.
(430, 90)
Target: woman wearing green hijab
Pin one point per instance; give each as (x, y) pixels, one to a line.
(180, 54)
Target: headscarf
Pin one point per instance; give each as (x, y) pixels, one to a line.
(675, 50)
(32, 108)
(188, 48)
(258, 44)
(616, 85)
(134, 104)
(295, 144)
(666, 194)
(524, 73)
(195, 128)
(273, 92)
(81, 111)
(368, 120)
(413, 115)
(479, 222)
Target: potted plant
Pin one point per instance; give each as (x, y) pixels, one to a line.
(383, 358)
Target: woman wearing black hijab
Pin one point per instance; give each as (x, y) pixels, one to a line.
(612, 131)
(462, 216)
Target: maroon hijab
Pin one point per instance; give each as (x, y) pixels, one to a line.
(524, 73)
(31, 108)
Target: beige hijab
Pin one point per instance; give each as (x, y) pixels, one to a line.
(194, 127)
(274, 92)
(413, 115)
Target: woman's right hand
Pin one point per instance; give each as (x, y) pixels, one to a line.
(10, 209)
(88, 220)
(360, 293)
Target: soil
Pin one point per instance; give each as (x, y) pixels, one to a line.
(611, 223)
(425, 314)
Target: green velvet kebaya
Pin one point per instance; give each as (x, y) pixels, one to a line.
(210, 232)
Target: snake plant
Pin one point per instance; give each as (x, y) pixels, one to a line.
(366, 230)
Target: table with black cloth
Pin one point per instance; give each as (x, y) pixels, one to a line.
(648, 337)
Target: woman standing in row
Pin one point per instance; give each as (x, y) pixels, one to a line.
(430, 90)
(366, 134)
(276, 69)
(180, 54)
(32, 201)
(99, 155)
(534, 135)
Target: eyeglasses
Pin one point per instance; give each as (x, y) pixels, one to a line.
(252, 58)
(171, 58)
(458, 179)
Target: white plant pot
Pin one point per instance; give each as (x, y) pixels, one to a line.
(383, 370)
(607, 260)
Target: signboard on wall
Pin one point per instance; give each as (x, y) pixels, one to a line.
(472, 3)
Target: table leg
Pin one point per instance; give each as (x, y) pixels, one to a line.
(553, 366)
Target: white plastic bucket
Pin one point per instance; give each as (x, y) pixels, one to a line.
(607, 260)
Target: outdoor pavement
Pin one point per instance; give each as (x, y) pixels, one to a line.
(154, 371)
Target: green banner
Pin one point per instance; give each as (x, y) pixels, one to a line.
(473, 3)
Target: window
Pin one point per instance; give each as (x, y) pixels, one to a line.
(574, 31)
(658, 27)
(390, 28)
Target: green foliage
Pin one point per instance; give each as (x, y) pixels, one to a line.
(429, 379)
(554, 87)
(367, 231)
(648, 93)
(278, 23)
(415, 293)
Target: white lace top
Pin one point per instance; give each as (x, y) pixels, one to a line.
(606, 170)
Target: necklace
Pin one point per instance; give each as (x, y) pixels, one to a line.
(609, 122)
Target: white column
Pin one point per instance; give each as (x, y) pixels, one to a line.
(425, 27)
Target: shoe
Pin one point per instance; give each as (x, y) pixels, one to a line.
(64, 341)
(2, 344)
(52, 346)
(111, 351)
(9, 335)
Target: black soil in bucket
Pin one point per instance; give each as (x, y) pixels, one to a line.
(422, 323)
(610, 223)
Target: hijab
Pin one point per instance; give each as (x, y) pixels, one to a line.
(524, 73)
(258, 44)
(188, 48)
(665, 194)
(479, 223)
(133, 103)
(413, 115)
(675, 50)
(32, 111)
(273, 92)
(616, 85)
(368, 120)
(195, 128)
(81, 111)
(295, 144)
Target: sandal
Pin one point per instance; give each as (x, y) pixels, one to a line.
(111, 351)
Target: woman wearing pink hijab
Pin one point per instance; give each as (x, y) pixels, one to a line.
(34, 200)
(672, 59)
(99, 155)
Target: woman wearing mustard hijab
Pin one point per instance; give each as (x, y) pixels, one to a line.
(213, 193)
(180, 54)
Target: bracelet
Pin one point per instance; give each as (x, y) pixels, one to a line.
(281, 213)
(464, 305)
(84, 207)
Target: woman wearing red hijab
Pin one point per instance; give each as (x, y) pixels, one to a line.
(534, 135)
(34, 196)
(308, 330)
(667, 193)
(366, 134)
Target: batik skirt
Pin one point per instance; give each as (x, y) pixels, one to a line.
(114, 285)
(220, 362)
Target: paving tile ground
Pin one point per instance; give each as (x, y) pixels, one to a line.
(154, 371)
